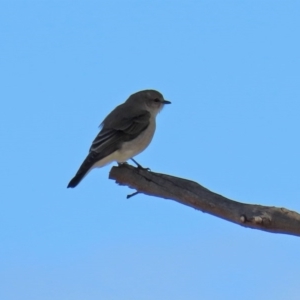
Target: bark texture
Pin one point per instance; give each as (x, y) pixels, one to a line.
(267, 218)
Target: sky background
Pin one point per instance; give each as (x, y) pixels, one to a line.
(232, 72)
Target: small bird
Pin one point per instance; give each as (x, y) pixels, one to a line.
(126, 132)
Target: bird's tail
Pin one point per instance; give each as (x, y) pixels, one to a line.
(76, 179)
(83, 170)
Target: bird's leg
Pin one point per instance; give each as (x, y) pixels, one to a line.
(139, 166)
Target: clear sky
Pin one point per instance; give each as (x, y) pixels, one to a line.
(232, 72)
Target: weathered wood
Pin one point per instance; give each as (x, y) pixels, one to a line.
(267, 218)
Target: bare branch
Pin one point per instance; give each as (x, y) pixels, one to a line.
(267, 218)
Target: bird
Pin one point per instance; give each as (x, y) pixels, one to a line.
(125, 132)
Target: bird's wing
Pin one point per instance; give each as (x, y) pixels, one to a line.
(118, 127)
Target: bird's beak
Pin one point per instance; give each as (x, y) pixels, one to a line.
(166, 102)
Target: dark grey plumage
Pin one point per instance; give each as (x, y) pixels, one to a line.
(123, 125)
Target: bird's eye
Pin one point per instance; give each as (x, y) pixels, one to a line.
(156, 100)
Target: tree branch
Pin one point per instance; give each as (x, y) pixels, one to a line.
(267, 218)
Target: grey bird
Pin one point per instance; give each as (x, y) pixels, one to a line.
(126, 132)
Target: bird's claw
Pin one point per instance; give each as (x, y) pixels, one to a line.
(142, 168)
(139, 166)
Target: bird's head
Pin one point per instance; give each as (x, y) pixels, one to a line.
(152, 100)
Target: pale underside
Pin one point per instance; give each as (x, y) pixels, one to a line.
(131, 148)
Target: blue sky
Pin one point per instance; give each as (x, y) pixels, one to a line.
(231, 70)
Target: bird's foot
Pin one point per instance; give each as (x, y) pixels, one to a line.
(139, 166)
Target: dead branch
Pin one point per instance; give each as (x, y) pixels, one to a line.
(267, 218)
